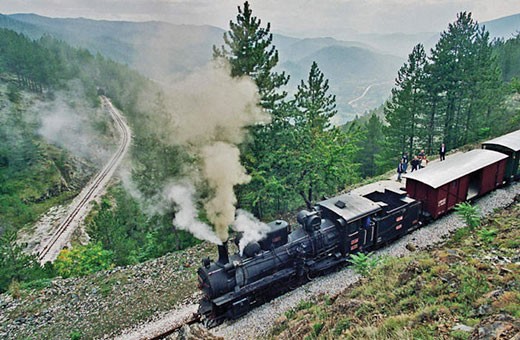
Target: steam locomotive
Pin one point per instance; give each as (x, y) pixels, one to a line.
(361, 220)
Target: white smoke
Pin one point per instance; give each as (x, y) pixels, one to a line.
(208, 113)
(251, 228)
(183, 195)
(70, 125)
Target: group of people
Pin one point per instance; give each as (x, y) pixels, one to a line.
(419, 161)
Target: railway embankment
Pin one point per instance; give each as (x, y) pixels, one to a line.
(109, 303)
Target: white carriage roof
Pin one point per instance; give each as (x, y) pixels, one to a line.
(456, 166)
(510, 141)
(350, 206)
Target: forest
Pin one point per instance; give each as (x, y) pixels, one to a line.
(465, 90)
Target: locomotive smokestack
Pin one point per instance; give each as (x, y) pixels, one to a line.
(223, 256)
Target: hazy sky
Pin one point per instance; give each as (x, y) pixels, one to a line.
(294, 17)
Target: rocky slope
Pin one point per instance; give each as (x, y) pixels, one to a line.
(103, 304)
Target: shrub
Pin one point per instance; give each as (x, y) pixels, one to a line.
(316, 328)
(488, 235)
(363, 263)
(469, 213)
(83, 260)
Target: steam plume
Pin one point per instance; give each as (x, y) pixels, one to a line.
(208, 113)
(182, 194)
(252, 229)
(223, 170)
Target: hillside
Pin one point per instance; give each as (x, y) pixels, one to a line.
(106, 303)
(505, 27)
(37, 171)
(152, 48)
(165, 51)
(350, 70)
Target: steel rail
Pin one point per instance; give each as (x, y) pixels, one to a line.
(94, 187)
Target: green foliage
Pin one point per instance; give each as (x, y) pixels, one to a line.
(122, 227)
(341, 326)
(16, 267)
(371, 146)
(14, 289)
(75, 335)
(407, 106)
(461, 234)
(37, 284)
(316, 328)
(363, 263)
(13, 93)
(515, 85)
(455, 96)
(469, 213)
(487, 235)
(248, 48)
(508, 55)
(320, 158)
(83, 260)
(300, 155)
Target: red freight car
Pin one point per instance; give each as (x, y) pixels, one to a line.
(510, 145)
(460, 177)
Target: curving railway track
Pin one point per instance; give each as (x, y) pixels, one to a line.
(50, 248)
(165, 326)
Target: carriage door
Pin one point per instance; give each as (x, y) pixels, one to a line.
(361, 234)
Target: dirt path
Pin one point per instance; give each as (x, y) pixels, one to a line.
(52, 243)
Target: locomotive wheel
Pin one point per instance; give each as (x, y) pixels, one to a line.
(211, 322)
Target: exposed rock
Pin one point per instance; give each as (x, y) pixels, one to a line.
(497, 327)
(411, 246)
(194, 332)
(484, 310)
(463, 328)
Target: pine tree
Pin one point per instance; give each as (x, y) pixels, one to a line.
(250, 52)
(466, 80)
(406, 107)
(316, 107)
(321, 156)
(371, 146)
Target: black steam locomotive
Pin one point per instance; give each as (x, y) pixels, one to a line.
(283, 260)
(346, 224)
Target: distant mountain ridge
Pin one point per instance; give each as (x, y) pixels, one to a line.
(505, 27)
(127, 42)
(163, 51)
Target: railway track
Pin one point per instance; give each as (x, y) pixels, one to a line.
(165, 326)
(50, 250)
(193, 319)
